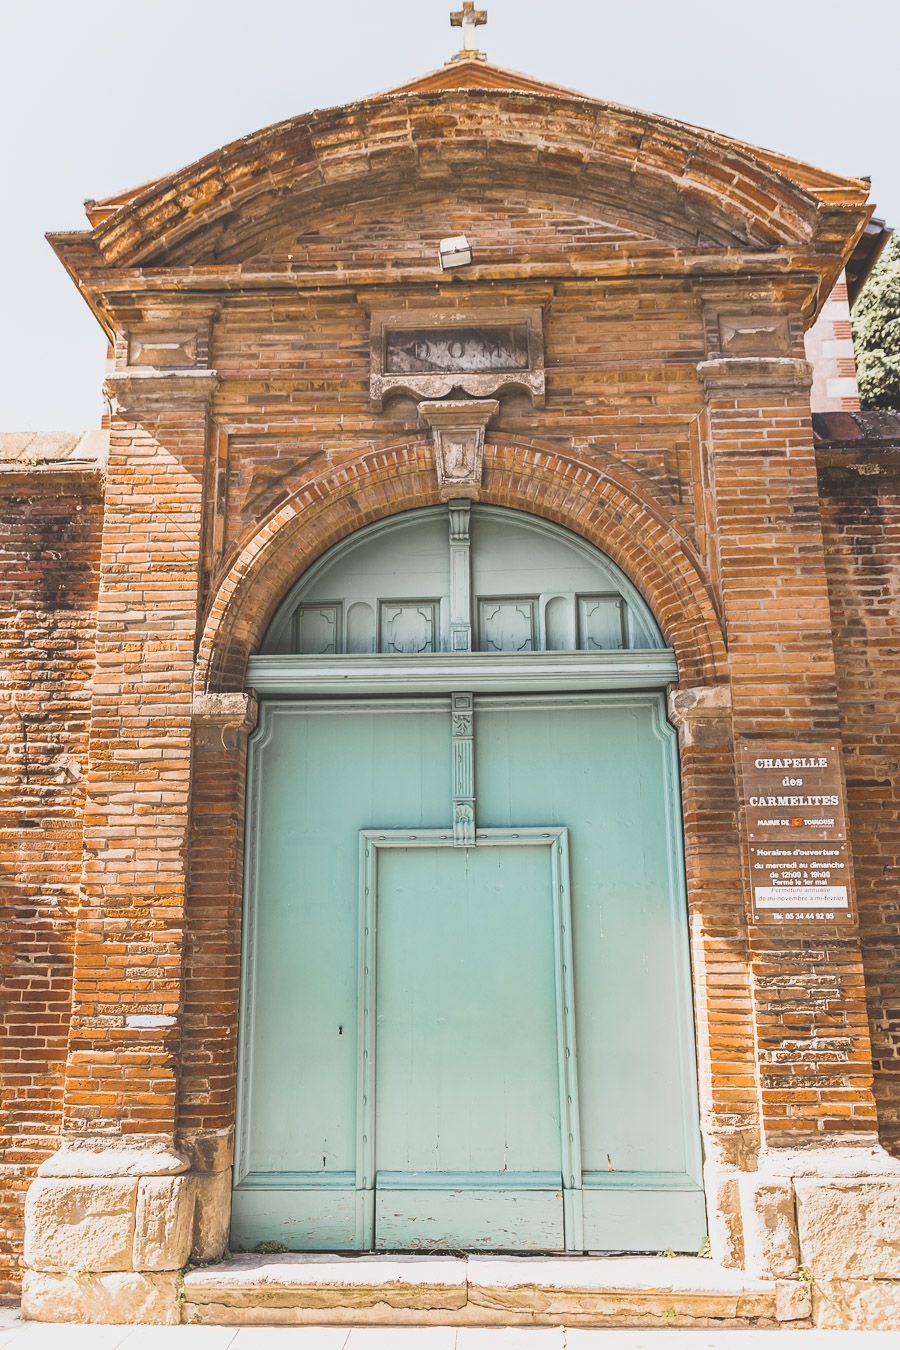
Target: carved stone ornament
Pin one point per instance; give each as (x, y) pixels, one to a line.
(457, 431)
(754, 335)
(479, 350)
(163, 349)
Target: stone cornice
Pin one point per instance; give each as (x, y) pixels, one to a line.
(727, 374)
(139, 390)
(445, 672)
(101, 286)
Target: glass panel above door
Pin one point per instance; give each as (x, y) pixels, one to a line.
(463, 577)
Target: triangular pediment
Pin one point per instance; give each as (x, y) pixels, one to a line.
(473, 72)
(472, 143)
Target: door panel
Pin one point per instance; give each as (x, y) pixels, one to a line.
(319, 777)
(469, 1219)
(605, 768)
(467, 1093)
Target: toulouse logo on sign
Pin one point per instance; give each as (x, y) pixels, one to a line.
(793, 807)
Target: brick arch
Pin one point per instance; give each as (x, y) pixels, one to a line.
(673, 175)
(595, 502)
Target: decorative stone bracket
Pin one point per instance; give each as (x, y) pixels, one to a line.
(236, 710)
(457, 430)
(222, 722)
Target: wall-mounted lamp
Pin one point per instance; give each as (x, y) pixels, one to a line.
(455, 252)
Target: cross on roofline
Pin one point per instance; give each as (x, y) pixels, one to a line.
(468, 19)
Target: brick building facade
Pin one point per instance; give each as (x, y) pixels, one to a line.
(676, 274)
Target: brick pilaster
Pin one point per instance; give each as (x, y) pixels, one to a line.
(722, 995)
(815, 1066)
(222, 723)
(126, 1006)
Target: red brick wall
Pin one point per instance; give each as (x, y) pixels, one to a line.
(829, 349)
(51, 536)
(860, 493)
(49, 553)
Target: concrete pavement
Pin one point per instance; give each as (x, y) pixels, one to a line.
(18, 1335)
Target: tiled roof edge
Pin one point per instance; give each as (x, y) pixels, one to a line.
(37, 450)
(857, 430)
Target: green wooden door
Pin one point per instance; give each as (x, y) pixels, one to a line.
(484, 1047)
(467, 1145)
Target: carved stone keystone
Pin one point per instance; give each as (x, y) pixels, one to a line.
(457, 430)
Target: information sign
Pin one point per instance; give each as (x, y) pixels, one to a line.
(796, 833)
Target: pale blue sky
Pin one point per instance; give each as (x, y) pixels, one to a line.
(97, 95)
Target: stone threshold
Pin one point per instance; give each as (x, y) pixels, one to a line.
(439, 1290)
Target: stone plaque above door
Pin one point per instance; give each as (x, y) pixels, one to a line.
(430, 353)
(446, 351)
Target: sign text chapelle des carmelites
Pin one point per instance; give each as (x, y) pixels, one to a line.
(796, 833)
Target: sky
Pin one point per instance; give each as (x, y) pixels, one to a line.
(99, 95)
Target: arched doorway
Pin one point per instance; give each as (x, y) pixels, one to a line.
(466, 1017)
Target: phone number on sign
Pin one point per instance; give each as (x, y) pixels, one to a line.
(802, 914)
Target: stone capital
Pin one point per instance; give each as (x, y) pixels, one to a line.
(693, 703)
(733, 374)
(457, 431)
(236, 710)
(140, 391)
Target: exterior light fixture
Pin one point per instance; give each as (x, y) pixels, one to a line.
(455, 252)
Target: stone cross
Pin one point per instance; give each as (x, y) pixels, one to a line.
(468, 19)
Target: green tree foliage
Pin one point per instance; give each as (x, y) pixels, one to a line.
(876, 332)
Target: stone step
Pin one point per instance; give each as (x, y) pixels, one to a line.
(431, 1290)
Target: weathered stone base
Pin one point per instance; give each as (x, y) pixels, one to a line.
(121, 1296)
(809, 1237)
(488, 1291)
(110, 1225)
(829, 1215)
(863, 1305)
(849, 1237)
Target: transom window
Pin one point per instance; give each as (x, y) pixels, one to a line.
(461, 578)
